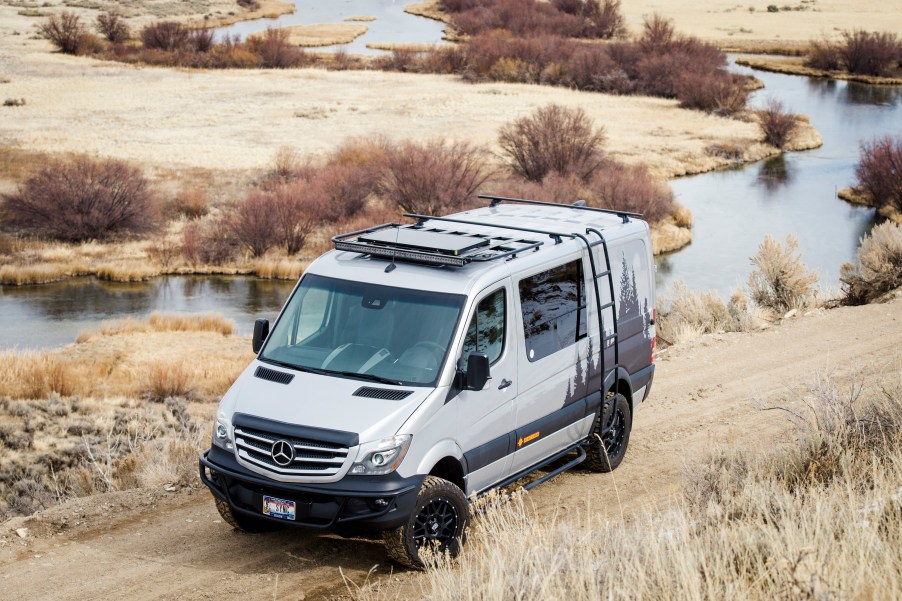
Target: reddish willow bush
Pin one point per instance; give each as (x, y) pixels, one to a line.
(82, 199)
(658, 63)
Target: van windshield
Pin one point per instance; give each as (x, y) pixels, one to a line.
(380, 333)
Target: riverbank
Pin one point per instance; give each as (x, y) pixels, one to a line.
(793, 65)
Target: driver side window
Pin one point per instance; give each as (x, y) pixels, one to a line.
(486, 331)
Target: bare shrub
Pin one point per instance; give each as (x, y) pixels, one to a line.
(249, 4)
(208, 243)
(286, 164)
(256, 223)
(878, 268)
(781, 281)
(344, 189)
(777, 124)
(274, 49)
(112, 26)
(165, 35)
(631, 188)
(553, 139)
(300, 208)
(83, 199)
(433, 177)
(879, 171)
(602, 18)
(201, 40)
(718, 92)
(870, 53)
(63, 31)
(823, 54)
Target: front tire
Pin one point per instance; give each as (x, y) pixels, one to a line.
(242, 522)
(610, 435)
(438, 525)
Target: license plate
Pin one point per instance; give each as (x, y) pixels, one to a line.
(279, 508)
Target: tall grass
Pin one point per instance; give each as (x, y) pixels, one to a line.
(755, 524)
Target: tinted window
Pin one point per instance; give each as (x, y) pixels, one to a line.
(554, 309)
(485, 333)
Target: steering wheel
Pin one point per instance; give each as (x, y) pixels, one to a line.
(436, 353)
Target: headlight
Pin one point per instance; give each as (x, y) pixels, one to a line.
(221, 436)
(381, 457)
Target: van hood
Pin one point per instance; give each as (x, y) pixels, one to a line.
(321, 401)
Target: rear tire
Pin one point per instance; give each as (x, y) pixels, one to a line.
(242, 522)
(438, 523)
(610, 435)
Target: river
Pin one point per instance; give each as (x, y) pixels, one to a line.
(793, 193)
(733, 210)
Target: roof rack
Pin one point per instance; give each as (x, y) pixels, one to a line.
(496, 200)
(432, 246)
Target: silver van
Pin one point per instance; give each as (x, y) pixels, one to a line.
(417, 367)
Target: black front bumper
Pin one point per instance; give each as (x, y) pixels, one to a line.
(353, 504)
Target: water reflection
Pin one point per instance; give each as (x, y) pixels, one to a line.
(794, 193)
(774, 173)
(54, 314)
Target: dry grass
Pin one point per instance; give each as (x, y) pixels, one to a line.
(756, 524)
(163, 322)
(126, 271)
(278, 269)
(56, 448)
(431, 9)
(360, 19)
(127, 358)
(325, 34)
(673, 232)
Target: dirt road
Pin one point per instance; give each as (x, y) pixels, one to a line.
(159, 545)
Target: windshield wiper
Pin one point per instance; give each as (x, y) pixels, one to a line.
(371, 377)
(312, 370)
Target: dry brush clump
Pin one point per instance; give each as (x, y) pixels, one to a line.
(781, 282)
(112, 27)
(82, 199)
(878, 268)
(795, 521)
(688, 315)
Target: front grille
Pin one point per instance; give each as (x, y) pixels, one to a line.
(315, 458)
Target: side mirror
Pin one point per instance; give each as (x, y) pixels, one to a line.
(477, 371)
(261, 331)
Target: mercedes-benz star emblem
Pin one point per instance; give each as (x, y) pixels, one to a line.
(282, 452)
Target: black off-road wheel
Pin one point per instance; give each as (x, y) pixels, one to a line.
(245, 523)
(437, 525)
(610, 435)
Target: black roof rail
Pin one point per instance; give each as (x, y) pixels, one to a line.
(495, 200)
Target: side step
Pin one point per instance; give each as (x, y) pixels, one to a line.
(578, 447)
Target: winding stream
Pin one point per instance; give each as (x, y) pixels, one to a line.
(792, 193)
(732, 209)
(391, 24)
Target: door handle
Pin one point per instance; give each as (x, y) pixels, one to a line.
(504, 384)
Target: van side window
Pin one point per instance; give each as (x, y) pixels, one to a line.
(554, 309)
(485, 334)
